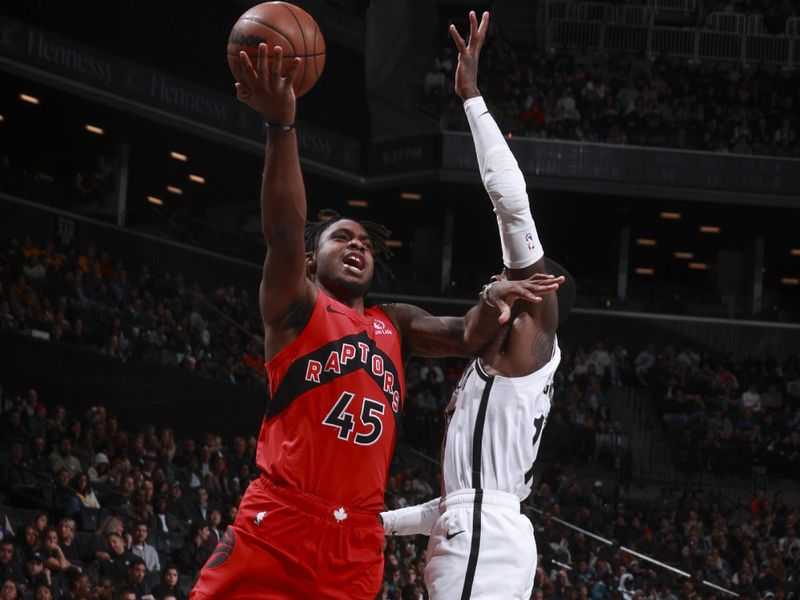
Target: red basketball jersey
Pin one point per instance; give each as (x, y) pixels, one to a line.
(335, 396)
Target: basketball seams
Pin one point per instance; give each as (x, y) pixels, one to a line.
(314, 51)
(302, 37)
(268, 26)
(244, 48)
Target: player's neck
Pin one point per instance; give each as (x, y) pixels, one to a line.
(354, 302)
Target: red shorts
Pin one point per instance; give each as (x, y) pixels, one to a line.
(289, 545)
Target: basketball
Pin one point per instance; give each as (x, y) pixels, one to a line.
(285, 25)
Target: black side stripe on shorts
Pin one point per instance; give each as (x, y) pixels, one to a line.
(477, 442)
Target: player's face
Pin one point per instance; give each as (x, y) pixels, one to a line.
(344, 259)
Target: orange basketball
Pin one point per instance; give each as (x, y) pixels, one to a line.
(285, 25)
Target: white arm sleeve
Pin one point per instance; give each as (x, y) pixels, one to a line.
(505, 184)
(412, 520)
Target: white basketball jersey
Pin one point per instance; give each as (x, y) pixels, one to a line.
(495, 428)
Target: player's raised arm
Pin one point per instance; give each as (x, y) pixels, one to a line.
(286, 295)
(500, 173)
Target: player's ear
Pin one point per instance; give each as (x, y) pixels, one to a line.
(311, 264)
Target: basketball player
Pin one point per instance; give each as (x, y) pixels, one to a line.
(308, 526)
(480, 546)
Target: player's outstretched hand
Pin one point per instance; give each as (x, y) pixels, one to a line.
(503, 293)
(468, 53)
(263, 88)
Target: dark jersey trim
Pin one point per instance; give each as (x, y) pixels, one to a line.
(477, 443)
(295, 384)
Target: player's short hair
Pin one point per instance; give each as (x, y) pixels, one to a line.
(566, 293)
(378, 234)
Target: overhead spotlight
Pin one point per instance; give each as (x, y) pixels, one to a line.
(645, 271)
(357, 203)
(790, 281)
(685, 255)
(698, 266)
(645, 242)
(2, 118)
(672, 216)
(394, 243)
(178, 156)
(156, 201)
(709, 229)
(795, 252)
(411, 196)
(197, 178)
(175, 190)
(29, 99)
(94, 129)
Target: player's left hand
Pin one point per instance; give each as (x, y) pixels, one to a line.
(468, 53)
(503, 293)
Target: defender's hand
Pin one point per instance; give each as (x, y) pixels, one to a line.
(503, 293)
(264, 89)
(467, 70)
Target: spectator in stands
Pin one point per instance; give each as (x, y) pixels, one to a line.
(64, 459)
(43, 592)
(137, 577)
(54, 558)
(9, 591)
(35, 573)
(169, 585)
(85, 493)
(64, 501)
(165, 521)
(69, 544)
(198, 509)
(139, 509)
(10, 564)
(215, 531)
(139, 547)
(193, 555)
(118, 559)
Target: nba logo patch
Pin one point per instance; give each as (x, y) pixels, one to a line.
(529, 240)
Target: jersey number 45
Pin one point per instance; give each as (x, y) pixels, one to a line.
(344, 422)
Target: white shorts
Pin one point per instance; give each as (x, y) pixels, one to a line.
(481, 554)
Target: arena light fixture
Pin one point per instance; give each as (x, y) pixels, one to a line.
(411, 196)
(156, 201)
(684, 255)
(645, 271)
(795, 252)
(94, 129)
(669, 215)
(698, 266)
(394, 243)
(29, 99)
(178, 156)
(175, 190)
(357, 203)
(790, 281)
(197, 178)
(709, 229)
(645, 242)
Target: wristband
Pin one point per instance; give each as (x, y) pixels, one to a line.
(279, 127)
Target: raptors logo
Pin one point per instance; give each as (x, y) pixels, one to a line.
(223, 550)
